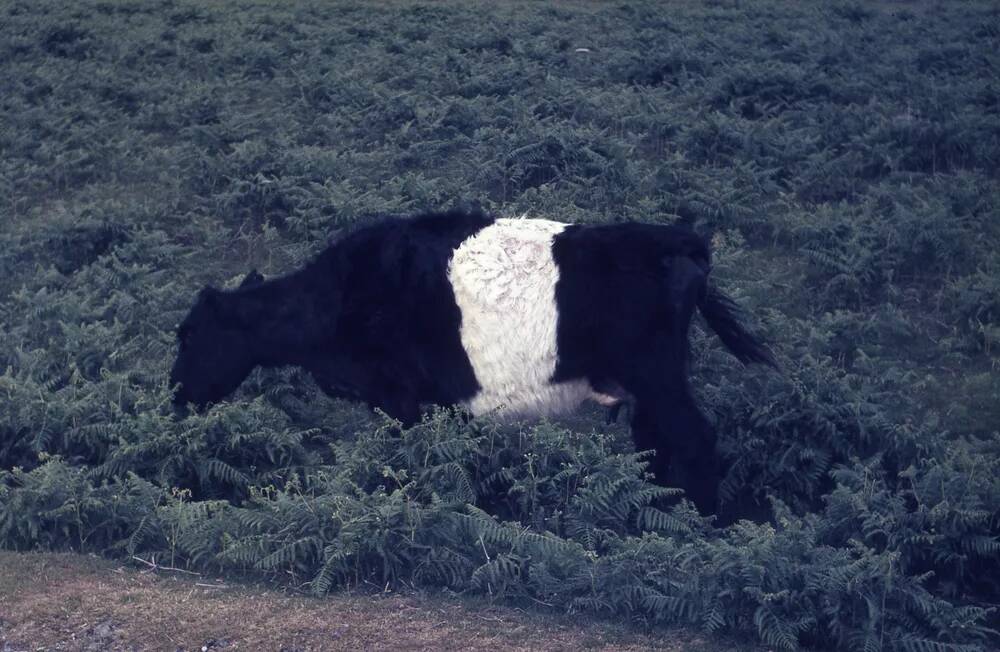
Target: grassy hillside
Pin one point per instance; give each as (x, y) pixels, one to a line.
(843, 157)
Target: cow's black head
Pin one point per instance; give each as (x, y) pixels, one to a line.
(215, 348)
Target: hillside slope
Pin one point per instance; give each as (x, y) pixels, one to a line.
(843, 157)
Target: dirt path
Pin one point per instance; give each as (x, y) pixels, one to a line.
(73, 602)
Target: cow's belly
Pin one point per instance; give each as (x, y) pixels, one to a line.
(504, 280)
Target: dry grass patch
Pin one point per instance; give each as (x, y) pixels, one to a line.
(74, 602)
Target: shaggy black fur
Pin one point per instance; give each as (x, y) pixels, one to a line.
(374, 318)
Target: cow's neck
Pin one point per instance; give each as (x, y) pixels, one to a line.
(285, 319)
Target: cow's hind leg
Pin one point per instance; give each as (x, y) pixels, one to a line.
(667, 421)
(646, 433)
(670, 424)
(695, 462)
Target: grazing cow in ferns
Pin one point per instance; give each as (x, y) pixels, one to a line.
(516, 317)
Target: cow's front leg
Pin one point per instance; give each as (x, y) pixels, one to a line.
(401, 407)
(397, 399)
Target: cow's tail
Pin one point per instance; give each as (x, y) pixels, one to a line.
(723, 317)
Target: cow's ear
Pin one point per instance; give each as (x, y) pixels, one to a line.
(225, 308)
(210, 298)
(252, 279)
(209, 295)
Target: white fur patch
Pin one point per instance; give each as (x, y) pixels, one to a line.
(504, 279)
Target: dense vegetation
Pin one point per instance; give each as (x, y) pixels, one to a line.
(844, 158)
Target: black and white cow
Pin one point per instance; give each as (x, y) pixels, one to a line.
(518, 317)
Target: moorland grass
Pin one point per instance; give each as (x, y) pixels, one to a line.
(843, 158)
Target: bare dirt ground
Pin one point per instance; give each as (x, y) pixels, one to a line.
(75, 602)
